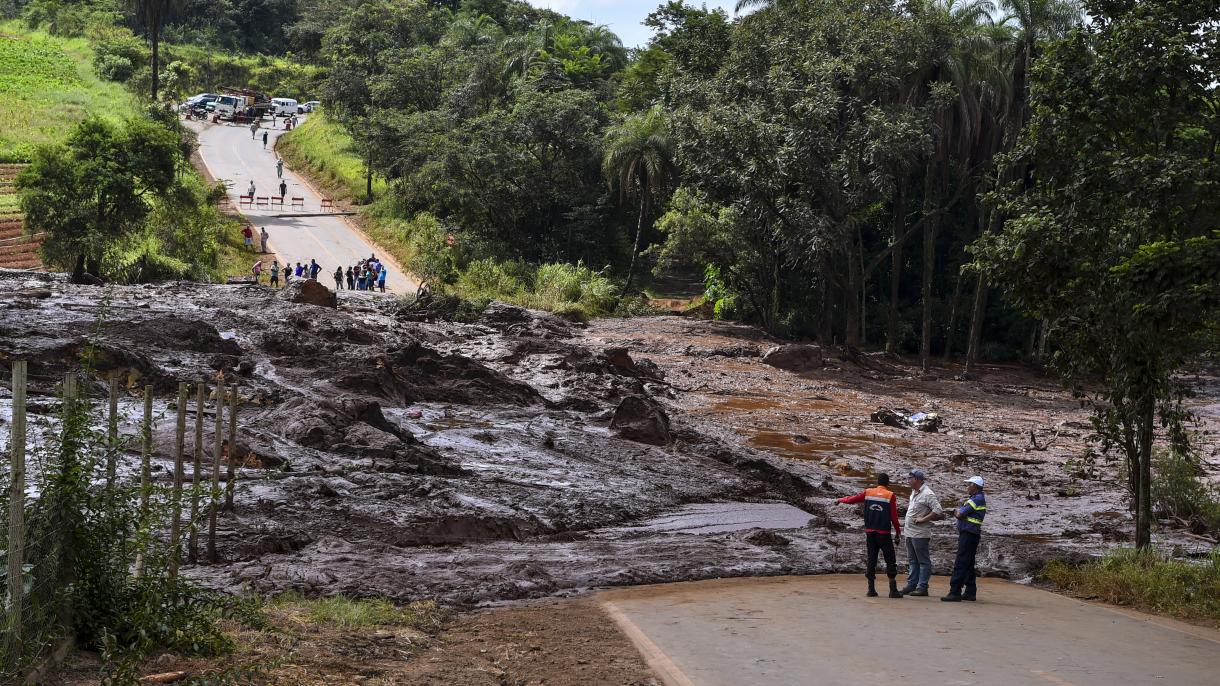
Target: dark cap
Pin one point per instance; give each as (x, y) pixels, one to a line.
(916, 474)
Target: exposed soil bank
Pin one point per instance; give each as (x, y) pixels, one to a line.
(390, 455)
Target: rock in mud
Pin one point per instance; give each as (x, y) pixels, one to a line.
(309, 292)
(518, 321)
(767, 538)
(796, 357)
(639, 419)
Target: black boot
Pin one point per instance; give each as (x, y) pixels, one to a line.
(894, 592)
(955, 596)
(872, 589)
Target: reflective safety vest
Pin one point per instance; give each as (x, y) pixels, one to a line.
(877, 503)
(974, 508)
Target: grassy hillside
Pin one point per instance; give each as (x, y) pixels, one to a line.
(47, 84)
(322, 149)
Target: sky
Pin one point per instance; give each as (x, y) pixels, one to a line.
(622, 16)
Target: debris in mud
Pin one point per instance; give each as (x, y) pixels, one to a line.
(309, 292)
(639, 419)
(768, 538)
(928, 422)
(794, 357)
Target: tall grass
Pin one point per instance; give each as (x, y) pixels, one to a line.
(47, 85)
(359, 613)
(322, 149)
(1148, 580)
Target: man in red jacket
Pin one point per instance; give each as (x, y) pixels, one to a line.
(880, 513)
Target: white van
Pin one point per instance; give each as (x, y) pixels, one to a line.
(284, 106)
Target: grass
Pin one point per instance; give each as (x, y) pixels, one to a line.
(1149, 581)
(47, 85)
(322, 149)
(338, 612)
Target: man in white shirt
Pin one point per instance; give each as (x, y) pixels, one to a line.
(922, 509)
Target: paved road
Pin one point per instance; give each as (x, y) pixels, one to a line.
(230, 154)
(821, 630)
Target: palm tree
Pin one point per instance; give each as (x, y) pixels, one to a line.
(1031, 22)
(638, 160)
(153, 13)
(602, 41)
(524, 50)
(968, 65)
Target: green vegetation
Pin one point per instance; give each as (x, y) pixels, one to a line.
(1115, 245)
(47, 85)
(338, 612)
(1179, 492)
(324, 151)
(121, 202)
(1148, 580)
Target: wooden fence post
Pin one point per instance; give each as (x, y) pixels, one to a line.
(175, 526)
(145, 470)
(193, 543)
(112, 432)
(232, 473)
(16, 504)
(217, 442)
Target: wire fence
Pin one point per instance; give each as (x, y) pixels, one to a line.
(74, 513)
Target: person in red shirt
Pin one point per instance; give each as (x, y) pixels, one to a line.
(880, 514)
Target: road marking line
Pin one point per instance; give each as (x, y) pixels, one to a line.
(659, 662)
(1050, 677)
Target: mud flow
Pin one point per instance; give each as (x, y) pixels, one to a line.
(384, 453)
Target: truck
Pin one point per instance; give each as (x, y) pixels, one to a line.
(229, 106)
(242, 104)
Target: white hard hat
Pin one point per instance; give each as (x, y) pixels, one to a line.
(976, 480)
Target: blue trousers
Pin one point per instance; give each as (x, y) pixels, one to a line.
(963, 565)
(919, 562)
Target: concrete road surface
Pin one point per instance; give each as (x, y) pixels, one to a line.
(230, 154)
(823, 631)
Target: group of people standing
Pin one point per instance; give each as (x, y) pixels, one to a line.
(881, 515)
(366, 275)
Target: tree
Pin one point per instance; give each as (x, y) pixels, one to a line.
(93, 192)
(153, 13)
(637, 159)
(1112, 229)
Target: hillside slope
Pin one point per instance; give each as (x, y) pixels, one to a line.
(47, 84)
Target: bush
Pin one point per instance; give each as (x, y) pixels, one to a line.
(1178, 492)
(117, 52)
(1148, 580)
(113, 67)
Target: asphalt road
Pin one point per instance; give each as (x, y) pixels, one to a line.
(823, 631)
(231, 154)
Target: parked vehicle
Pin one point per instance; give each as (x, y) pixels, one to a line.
(307, 106)
(285, 106)
(228, 106)
(199, 101)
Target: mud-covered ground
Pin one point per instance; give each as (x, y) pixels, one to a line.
(384, 454)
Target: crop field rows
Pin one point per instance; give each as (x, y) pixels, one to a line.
(17, 251)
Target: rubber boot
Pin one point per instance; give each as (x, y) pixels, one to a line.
(894, 592)
(872, 589)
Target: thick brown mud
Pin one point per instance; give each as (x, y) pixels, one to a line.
(386, 454)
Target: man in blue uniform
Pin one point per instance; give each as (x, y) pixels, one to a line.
(969, 531)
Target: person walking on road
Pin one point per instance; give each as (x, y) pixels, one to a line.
(922, 510)
(351, 279)
(338, 278)
(248, 235)
(880, 513)
(970, 515)
(279, 168)
(283, 189)
(381, 279)
(264, 140)
(253, 129)
(250, 189)
(263, 236)
(275, 273)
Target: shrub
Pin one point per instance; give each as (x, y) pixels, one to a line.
(1146, 579)
(1178, 492)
